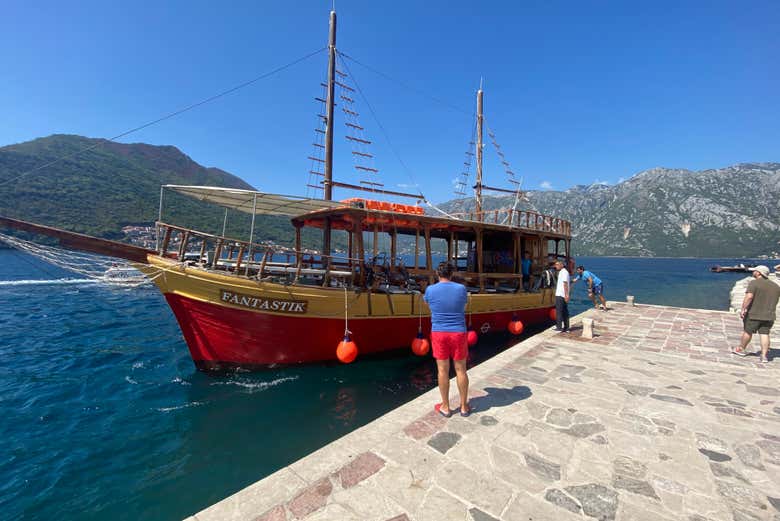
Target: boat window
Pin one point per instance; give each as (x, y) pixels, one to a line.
(438, 250)
(461, 253)
(498, 253)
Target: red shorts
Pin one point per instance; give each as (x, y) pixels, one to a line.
(448, 345)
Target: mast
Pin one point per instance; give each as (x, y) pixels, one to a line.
(328, 187)
(329, 108)
(478, 186)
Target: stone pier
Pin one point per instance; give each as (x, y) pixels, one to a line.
(651, 419)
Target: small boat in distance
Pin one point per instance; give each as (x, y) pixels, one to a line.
(740, 268)
(124, 275)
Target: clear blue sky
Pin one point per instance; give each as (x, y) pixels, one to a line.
(576, 91)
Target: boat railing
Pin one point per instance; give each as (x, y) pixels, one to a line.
(240, 258)
(527, 219)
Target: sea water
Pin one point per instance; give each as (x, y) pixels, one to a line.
(103, 415)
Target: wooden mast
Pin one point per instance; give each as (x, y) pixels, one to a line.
(478, 185)
(329, 104)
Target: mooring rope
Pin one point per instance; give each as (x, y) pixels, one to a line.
(347, 332)
(165, 117)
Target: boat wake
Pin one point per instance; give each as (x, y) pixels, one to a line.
(257, 386)
(178, 407)
(36, 282)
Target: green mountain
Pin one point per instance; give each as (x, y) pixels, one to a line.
(726, 212)
(103, 186)
(100, 190)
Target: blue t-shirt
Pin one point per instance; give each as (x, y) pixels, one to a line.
(447, 301)
(588, 275)
(526, 263)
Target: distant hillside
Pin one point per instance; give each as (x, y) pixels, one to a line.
(101, 190)
(728, 212)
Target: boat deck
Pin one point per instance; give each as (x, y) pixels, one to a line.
(652, 419)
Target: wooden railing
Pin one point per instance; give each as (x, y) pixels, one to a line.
(238, 257)
(527, 219)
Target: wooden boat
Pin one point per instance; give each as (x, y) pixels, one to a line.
(240, 303)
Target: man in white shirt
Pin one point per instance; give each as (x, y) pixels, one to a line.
(562, 298)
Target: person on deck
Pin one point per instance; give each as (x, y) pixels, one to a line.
(562, 289)
(595, 286)
(447, 302)
(526, 269)
(758, 311)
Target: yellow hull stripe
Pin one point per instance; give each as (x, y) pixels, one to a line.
(171, 276)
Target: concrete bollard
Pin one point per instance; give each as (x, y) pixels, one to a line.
(587, 328)
(630, 300)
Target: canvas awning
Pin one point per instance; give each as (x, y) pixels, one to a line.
(246, 200)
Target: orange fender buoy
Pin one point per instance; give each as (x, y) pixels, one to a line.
(472, 337)
(515, 326)
(552, 314)
(347, 350)
(420, 345)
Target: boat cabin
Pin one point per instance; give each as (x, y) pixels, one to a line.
(391, 247)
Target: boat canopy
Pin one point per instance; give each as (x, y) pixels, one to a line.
(250, 201)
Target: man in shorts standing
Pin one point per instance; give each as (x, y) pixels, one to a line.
(562, 289)
(595, 286)
(447, 302)
(758, 311)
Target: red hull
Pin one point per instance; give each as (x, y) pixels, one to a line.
(222, 337)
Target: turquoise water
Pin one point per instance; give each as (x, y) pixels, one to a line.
(103, 415)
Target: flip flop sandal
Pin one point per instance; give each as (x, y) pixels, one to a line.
(437, 408)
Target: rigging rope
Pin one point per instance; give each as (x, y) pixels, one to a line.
(433, 206)
(382, 128)
(85, 264)
(168, 116)
(406, 86)
(346, 313)
(462, 182)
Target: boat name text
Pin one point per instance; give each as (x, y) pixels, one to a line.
(265, 304)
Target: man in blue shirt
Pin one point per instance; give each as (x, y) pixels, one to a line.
(447, 302)
(526, 268)
(595, 286)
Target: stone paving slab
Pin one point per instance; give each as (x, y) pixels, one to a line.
(652, 419)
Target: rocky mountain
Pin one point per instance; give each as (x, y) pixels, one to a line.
(728, 212)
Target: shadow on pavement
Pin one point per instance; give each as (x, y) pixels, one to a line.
(499, 397)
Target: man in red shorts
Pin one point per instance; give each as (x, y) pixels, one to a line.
(447, 302)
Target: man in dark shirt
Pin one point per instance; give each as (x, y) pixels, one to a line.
(758, 311)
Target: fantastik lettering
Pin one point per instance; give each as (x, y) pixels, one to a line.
(264, 304)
